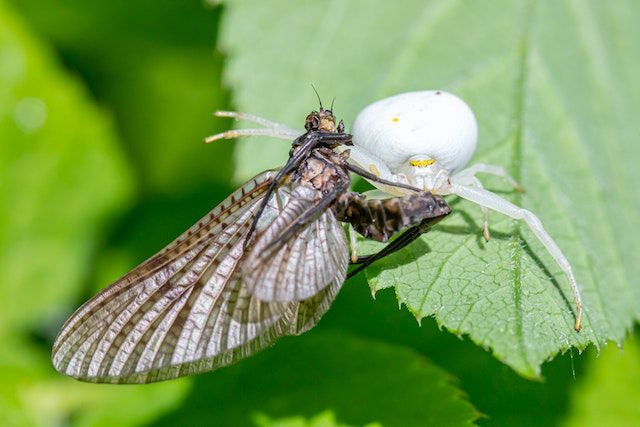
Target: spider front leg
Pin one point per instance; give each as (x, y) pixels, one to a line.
(272, 129)
(237, 115)
(237, 133)
(471, 181)
(498, 171)
(492, 201)
(353, 244)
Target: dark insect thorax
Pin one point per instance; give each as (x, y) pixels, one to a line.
(310, 160)
(325, 171)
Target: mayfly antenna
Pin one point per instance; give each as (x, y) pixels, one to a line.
(318, 95)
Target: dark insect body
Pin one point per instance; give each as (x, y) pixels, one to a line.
(266, 262)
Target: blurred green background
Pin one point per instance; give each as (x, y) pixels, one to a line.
(102, 109)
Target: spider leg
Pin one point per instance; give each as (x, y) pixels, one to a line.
(371, 177)
(370, 167)
(498, 171)
(282, 133)
(353, 244)
(492, 201)
(472, 181)
(254, 119)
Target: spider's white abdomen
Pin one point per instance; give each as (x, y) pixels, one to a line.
(435, 124)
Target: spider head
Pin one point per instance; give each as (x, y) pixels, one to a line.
(425, 172)
(420, 165)
(323, 121)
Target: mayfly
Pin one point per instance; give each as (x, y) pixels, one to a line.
(266, 262)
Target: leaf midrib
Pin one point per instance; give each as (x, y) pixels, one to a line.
(516, 170)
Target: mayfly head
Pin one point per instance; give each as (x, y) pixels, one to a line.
(323, 121)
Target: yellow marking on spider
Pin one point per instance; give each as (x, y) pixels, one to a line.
(374, 170)
(395, 119)
(421, 163)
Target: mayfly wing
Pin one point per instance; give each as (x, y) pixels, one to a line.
(217, 219)
(305, 143)
(301, 252)
(87, 344)
(185, 310)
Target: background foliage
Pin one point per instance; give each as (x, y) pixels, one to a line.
(103, 105)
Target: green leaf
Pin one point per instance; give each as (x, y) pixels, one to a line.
(553, 87)
(608, 393)
(155, 66)
(495, 390)
(62, 177)
(324, 419)
(358, 381)
(32, 394)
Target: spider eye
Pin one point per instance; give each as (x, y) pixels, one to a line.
(421, 163)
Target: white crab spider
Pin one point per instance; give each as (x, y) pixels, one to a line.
(424, 139)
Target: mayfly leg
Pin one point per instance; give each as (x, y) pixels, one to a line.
(400, 242)
(305, 217)
(304, 145)
(380, 219)
(395, 245)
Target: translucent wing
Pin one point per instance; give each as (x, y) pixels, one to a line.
(298, 254)
(186, 309)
